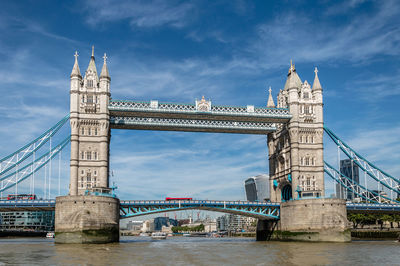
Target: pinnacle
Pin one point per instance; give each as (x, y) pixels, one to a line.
(270, 103)
(75, 70)
(104, 71)
(316, 84)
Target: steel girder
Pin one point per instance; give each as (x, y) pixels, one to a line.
(373, 171)
(264, 211)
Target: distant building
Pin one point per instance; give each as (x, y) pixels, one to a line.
(257, 188)
(159, 222)
(27, 220)
(134, 225)
(222, 223)
(349, 169)
(235, 223)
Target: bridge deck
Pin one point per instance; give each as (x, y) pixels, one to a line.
(186, 117)
(48, 205)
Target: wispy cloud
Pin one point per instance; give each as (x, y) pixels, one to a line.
(143, 14)
(298, 36)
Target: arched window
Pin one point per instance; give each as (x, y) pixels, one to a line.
(82, 155)
(89, 131)
(89, 155)
(301, 161)
(95, 155)
(95, 131)
(83, 131)
(307, 161)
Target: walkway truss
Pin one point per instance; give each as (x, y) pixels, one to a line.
(264, 211)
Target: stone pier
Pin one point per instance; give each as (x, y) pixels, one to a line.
(86, 219)
(313, 220)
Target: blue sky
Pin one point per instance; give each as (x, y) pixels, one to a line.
(228, 51)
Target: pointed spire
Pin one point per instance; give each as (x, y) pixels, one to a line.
(75, 70)
(92, 65)
(316, 84)
(293, 80)
(104, 71)
(270, 103)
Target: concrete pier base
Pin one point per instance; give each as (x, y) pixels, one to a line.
(313, 220)
(265, 229)
(86, 219)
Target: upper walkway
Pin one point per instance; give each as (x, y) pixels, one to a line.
(133, 208)
(199, 117)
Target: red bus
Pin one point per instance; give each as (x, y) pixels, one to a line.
(168, 199)
(21, 197)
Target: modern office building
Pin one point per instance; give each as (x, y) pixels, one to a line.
(257, 188)
(159, 222)
(27, 221)
(349, 169)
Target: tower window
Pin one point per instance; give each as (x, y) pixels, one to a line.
(95, 155)
(89, 155)
(89, 131)
(89, 99)
(90, 83)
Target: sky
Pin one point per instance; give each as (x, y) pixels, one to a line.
(177, 51)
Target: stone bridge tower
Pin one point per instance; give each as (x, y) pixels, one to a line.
(296, 166)
(90, 131)
(296, 161)
(91, 217)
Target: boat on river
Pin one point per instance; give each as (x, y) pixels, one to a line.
(158, 235)
(50, 235)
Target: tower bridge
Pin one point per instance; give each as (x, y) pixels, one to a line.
(294, 128)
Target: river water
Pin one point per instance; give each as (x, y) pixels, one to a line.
(198, 251)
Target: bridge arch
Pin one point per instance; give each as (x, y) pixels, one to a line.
(263, 211)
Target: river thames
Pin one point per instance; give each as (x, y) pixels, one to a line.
(197, 251)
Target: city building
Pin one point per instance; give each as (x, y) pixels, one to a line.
(159, 222)
(257, 188)
(236, 223)
(27, 220)
(349, 169)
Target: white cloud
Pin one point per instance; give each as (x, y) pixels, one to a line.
(143, 14)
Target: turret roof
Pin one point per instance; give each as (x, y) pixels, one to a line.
(75, 70)
(104, 71)
(293, 80)
(270, 103)
(92, 65)
(316, 85)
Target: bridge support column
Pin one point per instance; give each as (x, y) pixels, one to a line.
(86, 219)
(265, 229)
(313, 220)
